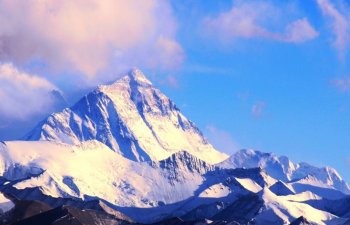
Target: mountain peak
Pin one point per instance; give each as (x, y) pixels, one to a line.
(138, 76)
(135, 77)
(133, 118)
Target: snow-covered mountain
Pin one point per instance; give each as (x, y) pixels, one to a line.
(126, 152)
(281, 168)
(133, 118)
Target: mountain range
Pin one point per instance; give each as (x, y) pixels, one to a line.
(125, 154)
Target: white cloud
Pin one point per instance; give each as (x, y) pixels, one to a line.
(89, 36)
(258, 109)
(339, 24)
(23, 95)
(254, 20)
(221, 139)
(299, 31)
(241, 21)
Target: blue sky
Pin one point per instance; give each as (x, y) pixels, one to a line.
(269, 75)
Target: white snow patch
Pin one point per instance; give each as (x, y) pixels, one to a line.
(249, 184)
(215, 191)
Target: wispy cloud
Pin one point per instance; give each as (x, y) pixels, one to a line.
(89, 36)
(342, 84)
(22, 94)
(221, 139)
(252, 20)
(170, 81)
(258, 109)
(299, 31)
(339, 24)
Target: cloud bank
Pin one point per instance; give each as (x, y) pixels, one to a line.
(89, 36)
(22, 94)
(256, 20)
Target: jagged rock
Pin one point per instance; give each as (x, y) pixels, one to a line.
(300, 221)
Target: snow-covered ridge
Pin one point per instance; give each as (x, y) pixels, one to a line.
(281, 168)
(133, 118)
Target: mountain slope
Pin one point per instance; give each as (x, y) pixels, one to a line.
(70, 215)
(22, 210)
(133, 118)
(5, 204)
(278, 210)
